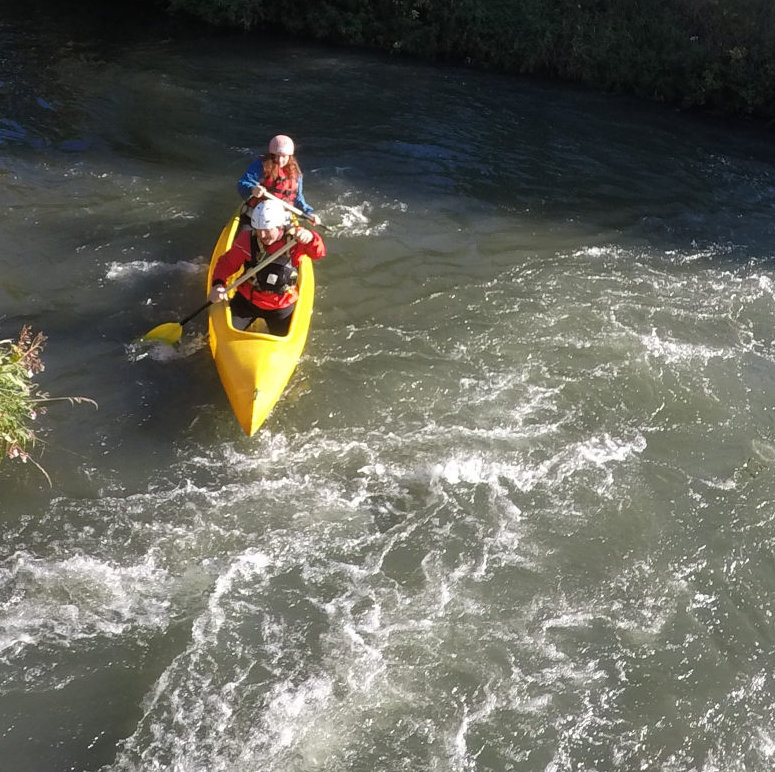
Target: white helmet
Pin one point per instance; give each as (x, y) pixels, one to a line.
(268, 214)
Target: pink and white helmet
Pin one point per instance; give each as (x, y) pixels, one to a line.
(281, 145)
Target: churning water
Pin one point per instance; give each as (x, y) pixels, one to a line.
(516, 510)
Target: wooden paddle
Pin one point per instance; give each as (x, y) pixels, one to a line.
(170, 332)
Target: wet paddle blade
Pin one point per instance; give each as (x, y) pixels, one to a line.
(165, 333)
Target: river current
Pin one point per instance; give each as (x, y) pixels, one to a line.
(516, 509)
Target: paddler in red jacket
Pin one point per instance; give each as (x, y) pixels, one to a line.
(272, 293)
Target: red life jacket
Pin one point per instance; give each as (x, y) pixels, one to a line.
(283, 186)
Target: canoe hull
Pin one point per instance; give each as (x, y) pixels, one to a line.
(255, 367)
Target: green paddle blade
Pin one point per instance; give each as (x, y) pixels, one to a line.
(169, 332)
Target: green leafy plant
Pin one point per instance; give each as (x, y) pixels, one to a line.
(21, 400)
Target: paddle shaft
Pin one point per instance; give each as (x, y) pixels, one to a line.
(245, 276)
(293, 209)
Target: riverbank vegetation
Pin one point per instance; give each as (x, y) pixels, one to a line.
(21, 400)
(716, 55)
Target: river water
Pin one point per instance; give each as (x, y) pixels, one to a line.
(516, 510)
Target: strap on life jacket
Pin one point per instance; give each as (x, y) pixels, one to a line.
(278, 277)
(284, 187)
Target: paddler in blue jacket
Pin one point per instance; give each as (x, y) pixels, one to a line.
(277, 172)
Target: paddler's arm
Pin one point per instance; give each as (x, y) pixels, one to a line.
(301, 202)
(228, 263)
(251, 179)
(310, 244)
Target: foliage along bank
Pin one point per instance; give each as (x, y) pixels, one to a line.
(21, 400)
(712, 54)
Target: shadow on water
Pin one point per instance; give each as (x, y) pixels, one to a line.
(38, 111)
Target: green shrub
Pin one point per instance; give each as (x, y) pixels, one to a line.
(21, 400)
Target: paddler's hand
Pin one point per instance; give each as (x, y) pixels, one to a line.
(315, 219)
(258, 192)
(302, 235)
(218, 294)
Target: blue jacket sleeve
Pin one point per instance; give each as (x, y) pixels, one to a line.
(300, 202)
(250, 178)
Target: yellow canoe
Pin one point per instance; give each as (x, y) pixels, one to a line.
(255, 367)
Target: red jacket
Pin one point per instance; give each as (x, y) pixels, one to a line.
(231, 261)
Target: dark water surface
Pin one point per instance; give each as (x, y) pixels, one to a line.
(516, 510)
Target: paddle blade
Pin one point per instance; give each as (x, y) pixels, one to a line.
(169, 332)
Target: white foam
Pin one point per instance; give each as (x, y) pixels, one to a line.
(673, 351)
(354, 219)
(121, 271)
(79, 597)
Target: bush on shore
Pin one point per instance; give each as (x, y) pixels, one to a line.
(21, 400)
(711, 54)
